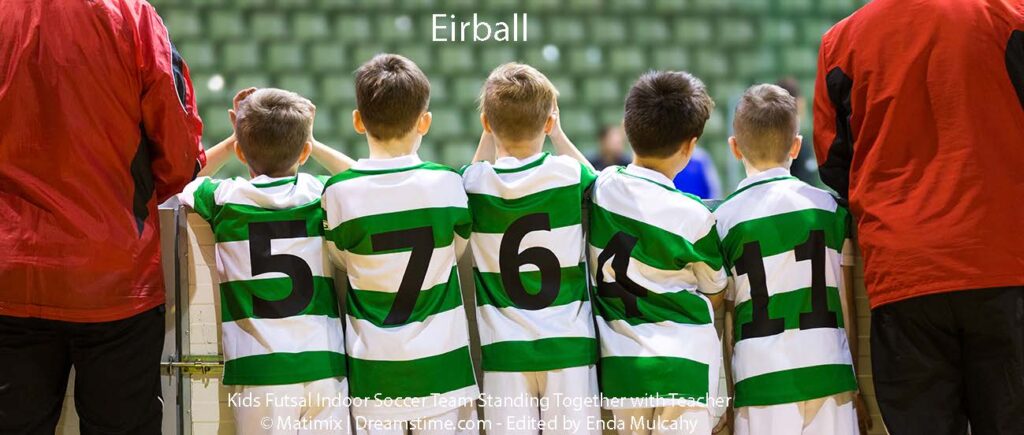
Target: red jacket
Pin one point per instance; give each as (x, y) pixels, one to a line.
(98, 124)
(919, 121)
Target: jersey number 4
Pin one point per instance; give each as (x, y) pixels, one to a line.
(618, 250)
(751, 264)
(260, 235)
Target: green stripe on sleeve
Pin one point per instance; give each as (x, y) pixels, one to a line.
(232, 222)
(282, 368)
(423, 377)
(355, 235)
(491, 291)
(787, 306)
(374, 306)
(651, 377)
(539, 355)
(782, 232)
(492, 214)
(205, 203)
(236, 297)
(795, 385)
(656, 247)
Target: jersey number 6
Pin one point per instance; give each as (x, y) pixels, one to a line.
(510, 259)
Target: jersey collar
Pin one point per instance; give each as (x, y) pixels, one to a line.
(267, 181)
(649, 175)
(509, 162)
(765, 175)
(392, 163)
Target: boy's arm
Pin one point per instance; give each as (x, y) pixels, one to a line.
(331, 159)
(564, 146)
(217, 156)
(727, 345)
(485, 149)
(849, 306)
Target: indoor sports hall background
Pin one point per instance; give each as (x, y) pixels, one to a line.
(591, 49)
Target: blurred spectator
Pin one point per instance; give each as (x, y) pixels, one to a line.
(804, 167)
(700, 177)
(611, 148)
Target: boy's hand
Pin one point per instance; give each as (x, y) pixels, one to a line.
(241, 95)
(863, 414)
(556, 131)
(725, 422)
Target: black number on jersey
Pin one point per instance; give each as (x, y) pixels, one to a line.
(619, 249)
(421, 240)
(510, 259)
(260, 235)
(752, 265)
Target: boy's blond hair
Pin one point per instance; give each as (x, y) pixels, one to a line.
(391, 94)
(766, 123)
(517, 100)
(272, 127)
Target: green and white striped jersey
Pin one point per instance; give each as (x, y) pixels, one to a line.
(280, 319)
(533, 307)
(397, 226)
(654, 254)
(782, 240)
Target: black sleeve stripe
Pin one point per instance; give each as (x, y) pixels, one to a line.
(1015, 63)
(835, 171)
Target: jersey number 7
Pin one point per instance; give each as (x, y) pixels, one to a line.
(421, 242)
(751, 264)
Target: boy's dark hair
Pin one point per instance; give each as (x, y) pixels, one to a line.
(665, 109)
(391, 94)
(272, 127)
(766, 123)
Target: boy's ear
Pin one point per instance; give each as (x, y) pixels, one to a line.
(687, 148)
(794, 150)
(423, 124)
(307, 150)
(735, 148)
(484, 122)
(240, 154)
(550, 123)
(357, 122)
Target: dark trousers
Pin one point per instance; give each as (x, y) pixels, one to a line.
(117, 374)
(943, 362)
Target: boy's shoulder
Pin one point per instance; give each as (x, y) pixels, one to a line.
(652, 203)
(545, 169)
(421, 169)
(772, 197)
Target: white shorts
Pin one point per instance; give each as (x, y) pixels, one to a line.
(458, 421)
(832, 415)
(663, 420)
(317, 407)
(563, 401)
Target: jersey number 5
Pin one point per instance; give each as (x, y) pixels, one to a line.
(751, 264)
(510, 259)
(260, 235)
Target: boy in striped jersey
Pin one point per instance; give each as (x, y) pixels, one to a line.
(657, 268)
(397, 225)
(281, 331)
(533, 309)
(787, 305)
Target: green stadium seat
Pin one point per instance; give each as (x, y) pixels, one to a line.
(182, 24)
(710, 62)
(327, 56)
(300, 84)
(247, 80)
(754, 63)
(800, 60)
(465, 90)
(323, 125)
(563, 30)
(285, 56)
(428, 151)
(670, 6)
(577, 122)
(566, 88)
(225, 24)
(650, 30)
(609, 30)
(269, 25)
(840, 7)
(455, 59)
(310, 26)
(541, 6)
(344, 130)
(670, 57)
(205, 95)
(421, 5)
(292, 4)
(753, 5)
(601, 90)
(585, 59)
(458, 153)
(216, 124)
(439, 91)
(777, 31)
(712, 6)
(505, 6)
(585, 5)
(237, 56)
(627, 60)
(496, 54)
(814, 29)
(796, 6)
(198, 55)
(715, 126)
(419, 53)
(628, 5)
(447, 123)
(352, 28)
(251, 4)
(544, 58)
(366, 52)
(608, 117)
(396, 28)
(693, 30)
(338, 88)
(735, 31)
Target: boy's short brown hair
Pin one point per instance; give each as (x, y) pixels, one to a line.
(272, 127)
(391, 94)
(766, 123)
(665, 109)
(517, 100)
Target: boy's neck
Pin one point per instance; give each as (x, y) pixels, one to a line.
(290, 173)
(519, 149)
(757, 168)
(667, 167)
(393, 148)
